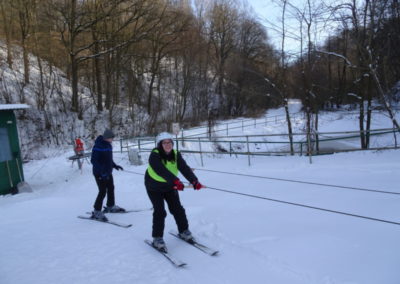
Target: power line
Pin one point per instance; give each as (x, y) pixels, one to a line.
(141, 174)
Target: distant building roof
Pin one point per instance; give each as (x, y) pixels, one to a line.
(13, 106)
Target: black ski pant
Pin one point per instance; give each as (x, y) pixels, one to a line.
(106, 187)
(159, 213)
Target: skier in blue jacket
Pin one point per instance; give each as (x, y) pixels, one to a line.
(103, 165)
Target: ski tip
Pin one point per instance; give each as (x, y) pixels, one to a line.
(108, 222)
(181, 265)
(83, 217)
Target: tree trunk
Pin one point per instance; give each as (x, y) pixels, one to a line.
(74, 83)
(7, 30)
(361, 114)
(117, 72)
(369, 113)
(25, 56)
(73, 59)
(316, 130)
(42, 92)
(150, 96)
(289, 125)
(155, 65)
(107, 72)
(99, 89)
(384, 98)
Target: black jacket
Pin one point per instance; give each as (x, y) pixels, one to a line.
(102, 158)
(155, 161)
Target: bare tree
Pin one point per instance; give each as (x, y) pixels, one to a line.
(222, 32)
(283, 77)
(7, 18)
(25, 9)
(162, 43)
(201, 98)
(309, 16)
(365, 23)
(185, 69)
(75, 20)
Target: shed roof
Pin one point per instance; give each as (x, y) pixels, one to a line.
(13, 106)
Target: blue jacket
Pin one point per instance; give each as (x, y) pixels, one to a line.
(102, 158)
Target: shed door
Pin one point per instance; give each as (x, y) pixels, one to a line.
(5, 149)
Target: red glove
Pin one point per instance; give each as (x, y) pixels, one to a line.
(178, 185)
(197, 185)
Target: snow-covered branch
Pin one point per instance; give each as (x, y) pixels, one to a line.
(345, 59)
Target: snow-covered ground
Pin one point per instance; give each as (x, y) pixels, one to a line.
(260, 241)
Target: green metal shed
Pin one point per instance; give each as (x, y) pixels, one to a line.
(11, 172)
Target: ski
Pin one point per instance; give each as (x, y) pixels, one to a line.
(137, 210)
(126, 211)
(176, 262)
(122, 225)
(198, 245)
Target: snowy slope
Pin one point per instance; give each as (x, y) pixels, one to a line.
(260, 241)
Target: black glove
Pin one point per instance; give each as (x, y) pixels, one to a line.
(117, 167)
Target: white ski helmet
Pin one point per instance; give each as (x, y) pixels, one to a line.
(163, 136)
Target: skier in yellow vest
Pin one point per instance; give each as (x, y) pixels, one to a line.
(162, 183)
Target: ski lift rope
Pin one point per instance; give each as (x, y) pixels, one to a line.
(293, 203)
(305, 182)
(45, 163)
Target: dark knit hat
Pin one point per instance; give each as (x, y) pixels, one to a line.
(108, 134)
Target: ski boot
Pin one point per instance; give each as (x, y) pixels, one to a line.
(186, 236)
(159, 244)
(113, 209)
(98, 215)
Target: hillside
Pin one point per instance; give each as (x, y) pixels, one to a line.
(50, 123)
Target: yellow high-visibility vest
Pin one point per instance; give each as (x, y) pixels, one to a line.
(172, 166)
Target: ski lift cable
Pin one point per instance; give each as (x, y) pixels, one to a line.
(45, 163)
(294, 204)
(306, 182)
(306, 206)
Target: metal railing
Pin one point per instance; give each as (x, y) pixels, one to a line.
(241, 124)
(128, 142)
(263, 145)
